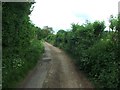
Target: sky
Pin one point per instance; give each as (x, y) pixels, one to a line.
(60, 14)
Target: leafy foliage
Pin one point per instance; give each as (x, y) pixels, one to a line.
(21, 45)
(95, 51)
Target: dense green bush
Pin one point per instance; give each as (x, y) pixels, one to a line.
(21, 46)
(101, 64)
(50, 38)
(95, 51)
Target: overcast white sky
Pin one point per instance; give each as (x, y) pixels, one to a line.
(59, 14)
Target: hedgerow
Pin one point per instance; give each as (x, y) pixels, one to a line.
(21, 46)
(95, 51)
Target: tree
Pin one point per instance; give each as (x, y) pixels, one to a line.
(74, 27)
(98, 28)
(21, 49)
(113, 22)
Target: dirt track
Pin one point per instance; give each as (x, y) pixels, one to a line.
(55, 70)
